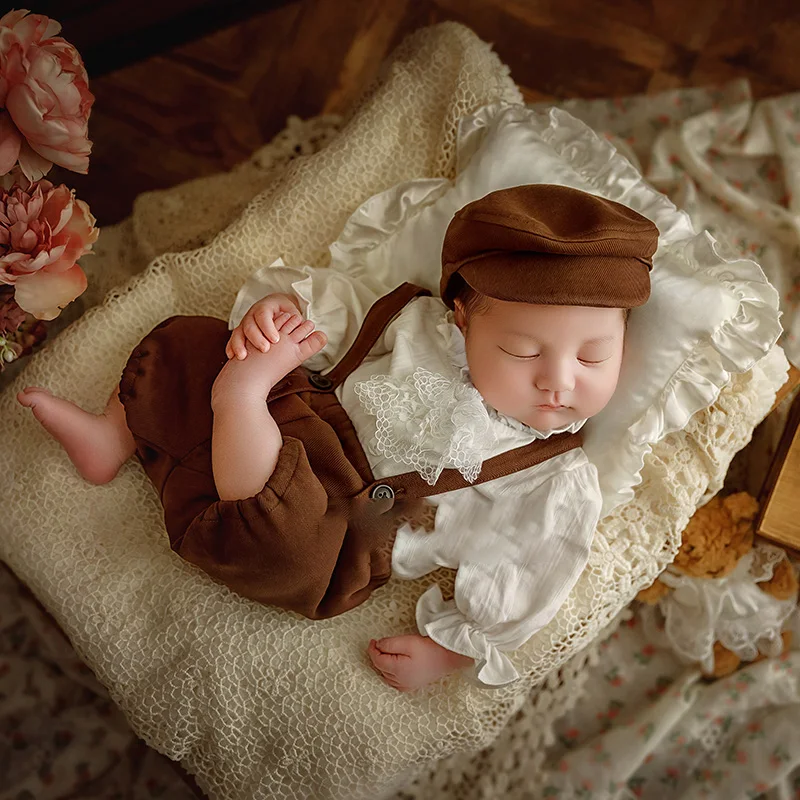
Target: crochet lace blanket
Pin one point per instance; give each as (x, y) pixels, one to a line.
(255, 702)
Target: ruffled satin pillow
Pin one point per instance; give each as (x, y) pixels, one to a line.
(707, 316)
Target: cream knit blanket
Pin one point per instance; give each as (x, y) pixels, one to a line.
(255, 702)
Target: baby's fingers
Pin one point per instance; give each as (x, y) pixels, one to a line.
(265, 324)
(254, 335)
(236, 346)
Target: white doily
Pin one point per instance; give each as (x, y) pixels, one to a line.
(732, 610)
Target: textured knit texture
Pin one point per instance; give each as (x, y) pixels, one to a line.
(255, 702)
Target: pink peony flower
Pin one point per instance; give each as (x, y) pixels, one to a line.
(44, 230)
(45, 100)
(11, 315)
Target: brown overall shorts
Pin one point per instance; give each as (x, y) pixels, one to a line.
(311, 541)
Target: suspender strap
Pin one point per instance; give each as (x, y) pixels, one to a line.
(375, 323)
(411, 486)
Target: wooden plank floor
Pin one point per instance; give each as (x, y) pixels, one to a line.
(201, 107)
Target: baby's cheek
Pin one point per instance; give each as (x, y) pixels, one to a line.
(598, 391)
(499, 387)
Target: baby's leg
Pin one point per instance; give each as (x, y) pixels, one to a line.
(97, 444)
(246, 441)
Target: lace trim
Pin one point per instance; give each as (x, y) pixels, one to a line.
(732, 610)
(429, 422)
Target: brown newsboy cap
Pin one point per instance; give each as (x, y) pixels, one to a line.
(550, 245)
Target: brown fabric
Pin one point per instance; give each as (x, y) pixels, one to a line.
(550, 245)
(312, 540)
(411, 485)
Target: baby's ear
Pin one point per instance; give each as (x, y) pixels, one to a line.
(460, 315)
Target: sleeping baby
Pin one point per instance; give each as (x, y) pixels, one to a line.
(292, 455)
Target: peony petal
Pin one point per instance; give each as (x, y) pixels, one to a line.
(12, 210)
(28, 105)
(14, 258)
(12, 59)
(53, 29)
(35, 204)
(42, 260)
(34, 166)
(34, 28)
(74, 161)
(23, 239)
(58, 260)
(11, 18)
(46, 293)
(58, 208)
(24, 263)
(31, 105)
(10, 143)
(79, 234)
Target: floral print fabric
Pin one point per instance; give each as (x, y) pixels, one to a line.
(649, 727)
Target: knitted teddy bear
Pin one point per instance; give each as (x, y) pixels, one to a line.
(723, 589)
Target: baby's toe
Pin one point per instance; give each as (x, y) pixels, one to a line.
(29, 394)
(301, 331)
(312, 344)
(290, 325)
(380, 660)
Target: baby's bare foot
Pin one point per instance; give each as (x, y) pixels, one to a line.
(298, 342)
(96, 443)
(256, 374)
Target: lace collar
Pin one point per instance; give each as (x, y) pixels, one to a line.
(433, 421)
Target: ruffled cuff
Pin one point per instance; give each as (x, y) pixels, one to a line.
(447, 626)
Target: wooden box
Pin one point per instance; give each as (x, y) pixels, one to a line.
(779, 519)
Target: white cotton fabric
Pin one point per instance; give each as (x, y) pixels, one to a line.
(707, 316)
(256, 703)
(518, 542)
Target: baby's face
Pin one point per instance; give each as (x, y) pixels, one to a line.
(546, 366)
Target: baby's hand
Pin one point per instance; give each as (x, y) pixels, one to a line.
(411, 662)
(258, 325)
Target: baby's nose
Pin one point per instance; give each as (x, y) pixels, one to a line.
(555, 377)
